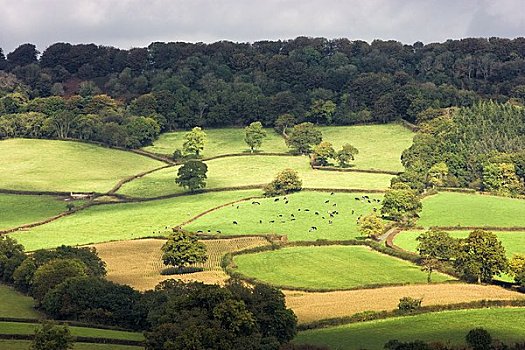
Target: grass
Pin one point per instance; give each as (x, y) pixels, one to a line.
(259, 170)
(50, 165)
(249, 216)
(459, 209)
(110, 222)
(380, 146)
(219, 141)
(16, 210)
(317, 306)
(446, 327)
(24, 345)
(14, 304)
(514, 242)
(138, 263)
(329, 267)
(29, 328)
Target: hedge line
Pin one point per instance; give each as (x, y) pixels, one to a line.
(373, 315)
(370, 171)
(78, 339)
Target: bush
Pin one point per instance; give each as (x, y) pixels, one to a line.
(408, 304)
(287, 181)
(479, 339)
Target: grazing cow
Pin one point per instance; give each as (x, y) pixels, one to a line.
(316, 213)
(280, 215)
(256, 203)
(200, 231)
(331, 193)
(276, 200)
(329, 222)
(293, 219)
(307, 210)
(272, 221)
(322, 217)
(331, 215)
(292, 215)
(286, 202)
(209, 230)
(357, 198)
(326, 201)
(299, 209)
(282, 222)
(375, 209)
(235, 223)
(352, 211)
(260, 221)
(219, 231)
(237, 207)
(334, 205)
(369, 201)
(313, 228)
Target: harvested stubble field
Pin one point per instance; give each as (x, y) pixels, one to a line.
(50, 165)
(123, 221)
(16, 210)
(219, 142)
(460, 209)
(446, 327)
(256, 170)
(24, 345)
(293, 216)
(138, 263)
(330, 267)
(310, 307)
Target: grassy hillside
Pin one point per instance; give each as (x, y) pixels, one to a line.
(293, 217)
(329, 267)
(24, 345)
(50, 165)
(258, 170)
(514, 242)
(219, 141)
(447, 327)
(16, 210)
(380, 146)
(458, 209)
(103, 223)
(14, 304)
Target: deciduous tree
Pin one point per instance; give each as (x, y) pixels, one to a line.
(192, 175)
(346, 154)
(287, 181)
(254, 135)
(194, 141)
(303, 136)
(183, 249)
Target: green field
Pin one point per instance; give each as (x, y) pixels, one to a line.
(24, 345)
(446, 327)
(241, 171)
(219, 141)
(459, 209)
(14, 304)
(380, 146)
(329, 267)
(249, 216)
(29, 328)
(111, 222)
(16, 210)
(49, 165)
(514, 242)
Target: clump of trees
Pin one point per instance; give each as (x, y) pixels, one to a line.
(371, 225)
(50, 336)
(303, 136)
(401, 203)
(286, 181)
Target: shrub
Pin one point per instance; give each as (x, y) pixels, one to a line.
(479, 339)
(408, 304)
(287, 181)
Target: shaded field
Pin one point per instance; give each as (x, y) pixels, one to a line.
(123, 221)
(29, 328)
(295, 221)
(219, 142)
(459, 209)
(514, 242)
(446, 327)
(16, 210)
(24, 345)
(50, 165)
(311, 307)
(14, 304)
(138, 263)
(330, 267)
(258, 170)
(380, 146)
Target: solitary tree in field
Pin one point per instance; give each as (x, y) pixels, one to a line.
(323, 152)
(303, 136)
(192, 175)
(481, 256)
(254, 135)
(52, 337)
(194, 141)
(183, 249)
(287, 181)
(371, 225)
(346, 155)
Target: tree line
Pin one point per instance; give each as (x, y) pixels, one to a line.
(318, 80)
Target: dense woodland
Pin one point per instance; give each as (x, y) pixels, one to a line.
(181, 85)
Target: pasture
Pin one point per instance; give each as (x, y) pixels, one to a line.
(15, 304)
(380, 146)
(123, 221)
(330, 267)
(138, 263)
(446, 327)
(16, 210)
(459, 209)
(219, 142)
(513, 241)
(294, 216)
(24, 345)
(256, 170)
(310, 307)
(50, 165)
